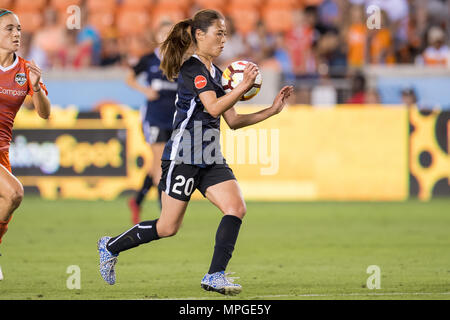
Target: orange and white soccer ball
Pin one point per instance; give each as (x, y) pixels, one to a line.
(234, 74)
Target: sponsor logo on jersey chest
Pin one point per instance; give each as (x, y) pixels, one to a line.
(21, 78)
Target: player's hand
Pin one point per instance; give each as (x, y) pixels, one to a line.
(151, 94)
(35, 74)
(280, 100)
(250, 73)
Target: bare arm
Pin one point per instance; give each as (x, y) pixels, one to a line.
(147, 91)
(40, 99)
(217, 106)
(236, 121)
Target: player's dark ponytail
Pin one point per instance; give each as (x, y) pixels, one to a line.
(180, 39)
(174, 47)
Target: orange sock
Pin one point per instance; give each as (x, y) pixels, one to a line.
(4, 228)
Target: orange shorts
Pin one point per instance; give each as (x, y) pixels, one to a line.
(4, 159)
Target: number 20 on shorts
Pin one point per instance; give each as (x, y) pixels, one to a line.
(181, 183)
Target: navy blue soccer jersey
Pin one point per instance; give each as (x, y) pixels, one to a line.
(195, 137)
(158, 112)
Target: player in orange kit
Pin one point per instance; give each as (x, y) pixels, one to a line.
(18, 78)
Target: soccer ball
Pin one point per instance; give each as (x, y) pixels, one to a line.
(234, 74)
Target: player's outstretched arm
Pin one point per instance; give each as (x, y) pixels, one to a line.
(236, 121)
(40, 100)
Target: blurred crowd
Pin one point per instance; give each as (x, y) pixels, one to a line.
(304, 40)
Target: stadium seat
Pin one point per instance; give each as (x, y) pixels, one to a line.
(164, 12)
(244, 19)
(305, 3)
(257, 4)
(102, 21)
(101, 5)
(286, 4)
(180, 4)
(277, 19)
(30, 20)
(218, 5)
(6, 4)
(27, 5)
(62, 5)
(136, 5)
(132, 22)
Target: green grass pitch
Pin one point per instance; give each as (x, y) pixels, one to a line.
(284, 251)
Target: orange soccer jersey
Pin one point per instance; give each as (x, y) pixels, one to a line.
(14, 87)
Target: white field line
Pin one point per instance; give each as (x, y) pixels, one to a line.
(323, 295)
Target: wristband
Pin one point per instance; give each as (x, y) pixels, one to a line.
(37, 90)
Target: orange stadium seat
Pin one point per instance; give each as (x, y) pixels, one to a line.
(101, 5)
(305, 3)
(257, 4)
(244, 19)
(29, 5)
(218, 5)
(277, 19)
(161, 13)
(181, 4)
(62, 5)
(132, 22)
(30, 20)
(291, 4)
(102, 21)
(136, 5)
(6, 4)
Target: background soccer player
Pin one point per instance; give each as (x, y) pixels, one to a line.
(157, 115)
(200, 100)
(18, 78)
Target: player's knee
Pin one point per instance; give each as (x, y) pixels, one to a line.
(238, 210)
(165, 231)
(15, 196)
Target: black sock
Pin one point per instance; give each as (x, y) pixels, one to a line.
(148, 183)
(141, 233)
(226, 237)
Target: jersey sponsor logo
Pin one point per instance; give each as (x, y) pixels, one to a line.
(200, 82)
(11, 92)
(20, 78)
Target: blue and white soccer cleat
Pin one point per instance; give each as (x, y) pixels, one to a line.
(107, 261)
(219, 282)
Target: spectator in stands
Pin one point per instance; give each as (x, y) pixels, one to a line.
(278, 59)
(331, 54)
(437, 52)
(372, 96)
(330, 13)
(358, 89)
(261, 43)
(409, 97)
(235, 47)
(407, 51)
(48, 40)
(73, 55)
(300, 42)
(398, 13)
(356, 37)
(380, 43)
(89, 37)
(110, 52)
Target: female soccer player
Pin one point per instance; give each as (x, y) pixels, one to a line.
(18, 78)
(189, 162)
(157, 116)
